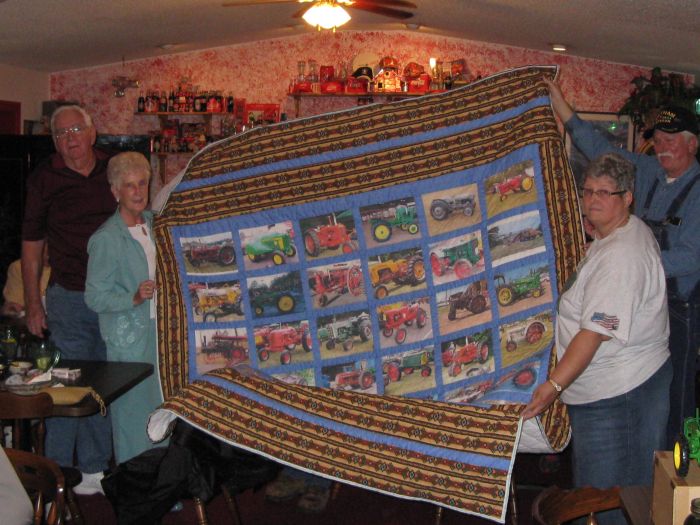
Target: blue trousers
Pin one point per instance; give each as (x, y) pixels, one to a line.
(683, 342)
(614, 439)
(75, 330)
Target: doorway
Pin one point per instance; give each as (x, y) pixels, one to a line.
(10, 117)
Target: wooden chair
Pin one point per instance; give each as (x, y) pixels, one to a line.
(21, 410)
(44, 483)
(554, 506)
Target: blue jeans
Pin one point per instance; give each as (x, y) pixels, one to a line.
(614, 439)
(683, 342)
(75, 330)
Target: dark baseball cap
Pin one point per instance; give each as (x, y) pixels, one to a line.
(674, 119)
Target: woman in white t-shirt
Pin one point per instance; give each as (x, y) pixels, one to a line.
(614, 371)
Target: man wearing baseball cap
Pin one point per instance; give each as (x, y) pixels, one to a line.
(667, 198)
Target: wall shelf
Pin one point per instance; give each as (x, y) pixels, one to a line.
(366, 98)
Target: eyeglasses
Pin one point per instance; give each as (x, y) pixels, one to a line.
(601, 194)
(73, 130)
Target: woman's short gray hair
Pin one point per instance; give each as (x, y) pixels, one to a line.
(87, 119)
(614, 166)
(126, 162)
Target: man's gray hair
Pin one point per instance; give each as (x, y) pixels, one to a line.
(87, 119)
(614, 166)
(126, 162)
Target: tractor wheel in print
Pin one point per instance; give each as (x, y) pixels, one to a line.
(505, 295)
(285, 357)
(312, 245)
(525, 378)
(439, 210)
(484, 352)
(366, 380)
(263, 355)
(416, 270)
(278, 258)
(365, 330)
(400, 337)
(393, 371)
(436, 264)
(381, 231)
(348, 344)
(286, 304)
(421, 318)
(227, 256)
(462, 268)
(477, 304)
(534, 332)
(355, 283)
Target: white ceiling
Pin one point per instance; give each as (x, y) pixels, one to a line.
(55, 35)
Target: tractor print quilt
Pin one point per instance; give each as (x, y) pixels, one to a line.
(370, 294)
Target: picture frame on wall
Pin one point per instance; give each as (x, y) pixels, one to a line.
(618, 130)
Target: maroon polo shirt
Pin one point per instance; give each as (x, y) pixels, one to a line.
(66, 208)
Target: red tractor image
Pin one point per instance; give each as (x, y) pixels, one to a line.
(329, 237)
(337, 281)
(234, 348)
(393, 319)
(477, 350)
(522, 182)
(282, 339)
(352, 378)
(221, 253)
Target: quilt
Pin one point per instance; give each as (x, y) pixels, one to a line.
(369, 295)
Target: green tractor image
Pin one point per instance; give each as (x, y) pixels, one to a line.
(460, 258)
(344, 332)
(405, 218)
(527, 286)
(687, 445)
(276, 246)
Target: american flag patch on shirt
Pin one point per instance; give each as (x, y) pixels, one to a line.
(609, 322)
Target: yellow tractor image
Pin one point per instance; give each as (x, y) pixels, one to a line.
(409, 271)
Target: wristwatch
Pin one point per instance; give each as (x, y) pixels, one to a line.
(556, 385)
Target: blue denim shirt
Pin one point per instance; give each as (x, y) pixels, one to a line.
(682, 259)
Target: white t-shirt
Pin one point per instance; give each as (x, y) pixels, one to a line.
(619, 291)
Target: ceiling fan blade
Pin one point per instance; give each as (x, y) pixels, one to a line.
(236, 3)
(395, 3)
(301, 11)
(379, 10)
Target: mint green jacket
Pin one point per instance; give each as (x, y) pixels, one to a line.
(116, 267)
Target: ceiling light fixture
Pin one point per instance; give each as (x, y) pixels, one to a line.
(326, 14)
(559, 48)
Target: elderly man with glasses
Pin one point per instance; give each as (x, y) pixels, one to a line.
(667, 198)
(68, 198)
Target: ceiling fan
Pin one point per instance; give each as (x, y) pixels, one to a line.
(329, 14)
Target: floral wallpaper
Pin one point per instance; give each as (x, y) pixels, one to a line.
(262, 72)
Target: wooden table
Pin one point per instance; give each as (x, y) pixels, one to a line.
(110, 379)
(636, 504)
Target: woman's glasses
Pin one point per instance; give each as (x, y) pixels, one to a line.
(601, 194)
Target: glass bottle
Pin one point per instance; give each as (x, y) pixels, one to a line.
(44, 355)
(8, 344)
(694, 516)
(141, 104)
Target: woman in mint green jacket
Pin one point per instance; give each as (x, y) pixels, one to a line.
(120, 287)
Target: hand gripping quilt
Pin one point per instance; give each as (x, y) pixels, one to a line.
(369, 295)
